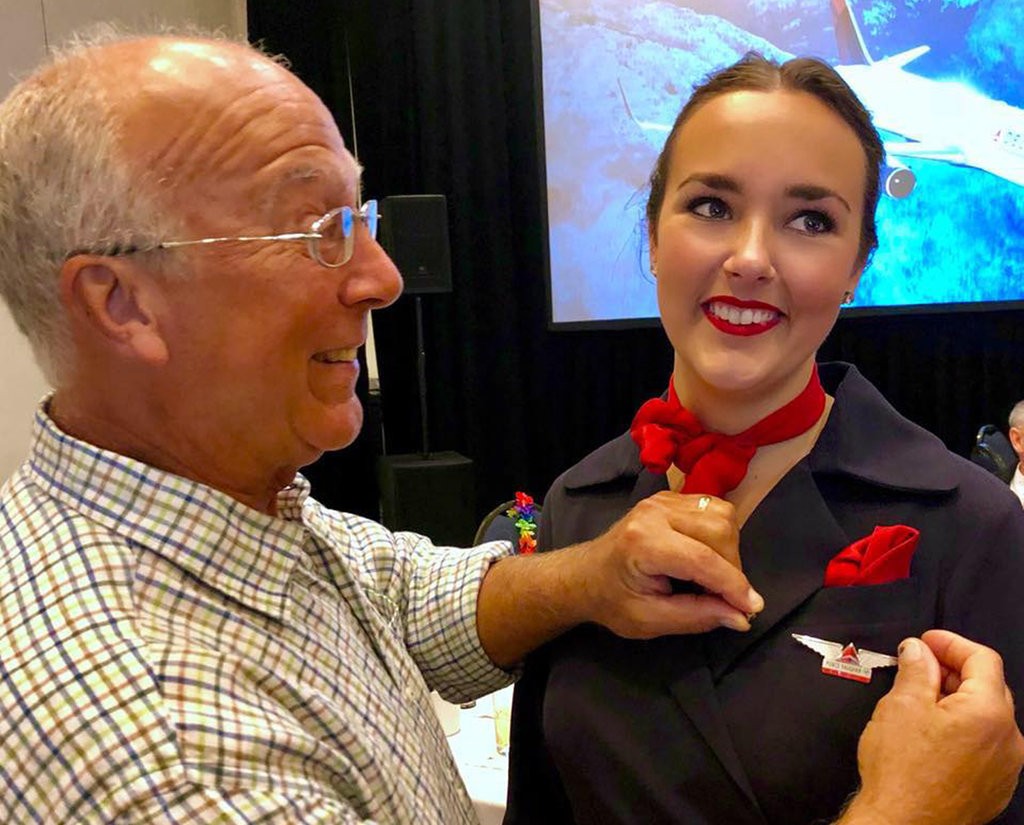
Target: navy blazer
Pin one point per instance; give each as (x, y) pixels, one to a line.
(744, 728)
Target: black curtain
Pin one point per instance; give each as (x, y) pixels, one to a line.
(446, 100)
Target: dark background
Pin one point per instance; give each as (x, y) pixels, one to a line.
(446, 98)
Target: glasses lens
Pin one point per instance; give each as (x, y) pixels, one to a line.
(335, 244)
(337, 231)
(369, 211)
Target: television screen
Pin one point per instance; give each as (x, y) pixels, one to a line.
(944, 80)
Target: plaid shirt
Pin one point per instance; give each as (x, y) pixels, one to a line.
(168, 654)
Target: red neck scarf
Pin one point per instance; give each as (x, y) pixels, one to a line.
(668, 433)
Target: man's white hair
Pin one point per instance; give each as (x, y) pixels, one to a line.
(66, 186)
(1017, 415)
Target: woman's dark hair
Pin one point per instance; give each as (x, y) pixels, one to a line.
(802, 74)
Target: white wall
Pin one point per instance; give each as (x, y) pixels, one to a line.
(26, 27)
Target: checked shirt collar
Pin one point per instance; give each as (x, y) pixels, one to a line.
(245, 554)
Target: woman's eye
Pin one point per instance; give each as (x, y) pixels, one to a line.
(813, 223)
(712, 208)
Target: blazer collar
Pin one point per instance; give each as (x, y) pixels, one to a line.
(867, 439)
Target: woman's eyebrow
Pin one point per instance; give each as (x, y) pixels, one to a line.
(814, 192)
(803, 191)
(713, 180)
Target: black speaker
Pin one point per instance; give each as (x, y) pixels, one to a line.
(414, 231)
(434, 495)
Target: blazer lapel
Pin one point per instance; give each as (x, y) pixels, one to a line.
(680, 665)
(786, 578)
(646, 485)
(690, 666)
(682, 668)
(784, 557)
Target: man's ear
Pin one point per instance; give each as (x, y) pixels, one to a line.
(1017, 441)
(114, 300)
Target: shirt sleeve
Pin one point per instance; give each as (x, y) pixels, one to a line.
(440, 606)
(429, 595)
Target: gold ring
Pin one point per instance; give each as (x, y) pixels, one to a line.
(702, 503)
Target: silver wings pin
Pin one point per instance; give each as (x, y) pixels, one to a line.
(846, 661)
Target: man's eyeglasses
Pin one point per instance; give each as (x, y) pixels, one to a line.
(330, 240)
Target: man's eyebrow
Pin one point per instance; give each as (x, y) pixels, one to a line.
(300, 175)
(292, 176)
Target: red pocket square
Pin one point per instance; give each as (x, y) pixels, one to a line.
(882, 557)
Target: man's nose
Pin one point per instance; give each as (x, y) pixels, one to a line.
(373, 279)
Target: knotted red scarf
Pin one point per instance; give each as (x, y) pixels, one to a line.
(668, 433)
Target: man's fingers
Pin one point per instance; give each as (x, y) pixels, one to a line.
(708, 608)
(689, 613)
(950, 682)
(974, 663)
(919, 675)
(713, 523)
(689, 560)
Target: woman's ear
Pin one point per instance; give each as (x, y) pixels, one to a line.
(652, 252)
(115, 301)
(854, 281)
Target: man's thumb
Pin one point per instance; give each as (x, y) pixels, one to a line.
(919, 672)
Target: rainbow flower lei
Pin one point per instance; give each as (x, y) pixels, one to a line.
(522, 515)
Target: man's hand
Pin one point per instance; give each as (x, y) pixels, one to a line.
(623, 580)
(942, 747)
(627, 572)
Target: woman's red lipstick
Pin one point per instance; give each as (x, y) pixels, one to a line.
(735, 317)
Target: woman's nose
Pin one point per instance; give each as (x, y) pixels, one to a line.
(751, 256)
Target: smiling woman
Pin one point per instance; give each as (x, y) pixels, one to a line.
(760, 222)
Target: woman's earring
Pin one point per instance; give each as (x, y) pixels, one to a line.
(847, 297)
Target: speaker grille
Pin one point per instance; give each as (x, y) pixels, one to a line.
(414, 231)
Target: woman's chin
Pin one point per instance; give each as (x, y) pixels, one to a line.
(735, 375)
(749, 375)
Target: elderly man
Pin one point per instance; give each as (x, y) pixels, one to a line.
(187, 636)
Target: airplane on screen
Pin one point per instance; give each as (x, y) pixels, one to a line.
(942, 120)
(938, 120)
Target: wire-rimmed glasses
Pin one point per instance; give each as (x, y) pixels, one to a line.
(330, 240)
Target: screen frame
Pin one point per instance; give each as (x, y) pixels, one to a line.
(650, 322)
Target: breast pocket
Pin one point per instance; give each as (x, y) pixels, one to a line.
(863, 606)
(875, 617)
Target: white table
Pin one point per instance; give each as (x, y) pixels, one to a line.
(483, 769)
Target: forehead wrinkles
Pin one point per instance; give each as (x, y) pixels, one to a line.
(183, 135)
